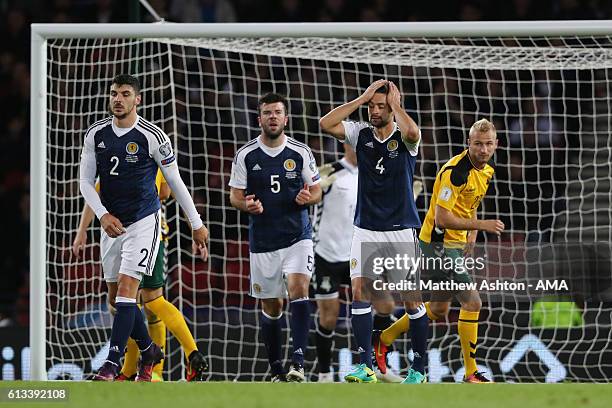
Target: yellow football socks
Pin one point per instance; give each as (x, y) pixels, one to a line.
(175, 322)
(468, 335)
(402, 325)
(399, 327)
(131, 358)
(157, 331)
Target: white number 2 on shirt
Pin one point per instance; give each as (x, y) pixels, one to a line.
(275, 183)
(379, 166)
(115, 160)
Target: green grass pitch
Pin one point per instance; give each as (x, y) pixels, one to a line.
(266, 395)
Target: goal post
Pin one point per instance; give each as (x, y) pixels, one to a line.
(38, 210)
(438, 46)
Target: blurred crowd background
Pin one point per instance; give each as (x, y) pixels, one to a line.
(16, 16)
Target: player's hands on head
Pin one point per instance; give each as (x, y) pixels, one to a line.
(80, 240)
(200, 239)
(394, 98)
(371, 90)
(493, 226)
(326, 179)
(253, 206)
(111, 225)
(303, 196)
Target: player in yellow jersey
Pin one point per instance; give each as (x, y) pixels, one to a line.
(449, 231)
(160, 313)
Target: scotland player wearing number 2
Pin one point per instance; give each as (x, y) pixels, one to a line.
(386, 150)
(274, 179)
(126, 151)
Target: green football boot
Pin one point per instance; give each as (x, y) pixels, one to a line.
(414, 377)
(361, 374)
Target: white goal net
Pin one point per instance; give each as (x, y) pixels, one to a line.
(549, 98)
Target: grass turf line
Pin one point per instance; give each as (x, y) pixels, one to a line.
(266, 395)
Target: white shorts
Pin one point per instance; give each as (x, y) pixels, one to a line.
(134, 252)
(268, 269)
(392, 242)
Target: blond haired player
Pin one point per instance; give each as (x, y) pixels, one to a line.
(450, 230)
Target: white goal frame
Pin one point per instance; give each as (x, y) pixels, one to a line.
(38, 101)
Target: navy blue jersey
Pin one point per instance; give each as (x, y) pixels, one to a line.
(386, 169)
(127, 161)
(275, 176)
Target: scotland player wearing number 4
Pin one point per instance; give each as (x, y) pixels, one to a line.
(126, 151)
(274, 179)
(385, 213)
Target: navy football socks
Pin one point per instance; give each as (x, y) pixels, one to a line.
(300, 325)
(271, 334)
(419, 325)
(361, 320)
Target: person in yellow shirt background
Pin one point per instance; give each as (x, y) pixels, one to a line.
(449, 231)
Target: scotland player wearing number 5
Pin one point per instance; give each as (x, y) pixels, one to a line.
(274, 179)
(126, 151)
(386, 213)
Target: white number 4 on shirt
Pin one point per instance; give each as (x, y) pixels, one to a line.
(379, 166)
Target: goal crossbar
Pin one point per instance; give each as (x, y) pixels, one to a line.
(38, 116)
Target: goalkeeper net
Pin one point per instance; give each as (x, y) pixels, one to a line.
(549, 98)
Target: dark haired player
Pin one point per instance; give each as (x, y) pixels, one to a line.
(126, 151)
(386, 147)
(275, 179)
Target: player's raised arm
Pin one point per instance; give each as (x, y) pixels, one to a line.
(332, 122)
(408, 127)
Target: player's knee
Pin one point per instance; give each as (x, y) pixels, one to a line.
(328, 321)
(439, 308)
(384, 307)
(412, 305)
(297, 290)
(149, 295)
(151, 317)
(473, 305)
(328, 313)
(272, 307)
(111, 306)
(359, 292)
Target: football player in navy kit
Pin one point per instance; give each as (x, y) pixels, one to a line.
(126, 151)
(332, 221)
(386, 147)
(275, 178)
